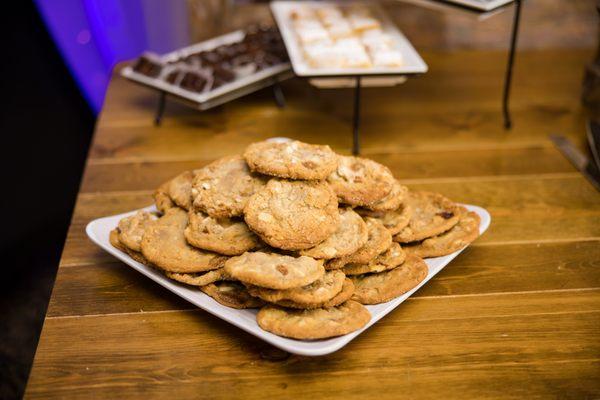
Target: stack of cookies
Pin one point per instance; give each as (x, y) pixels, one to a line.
(305, 234)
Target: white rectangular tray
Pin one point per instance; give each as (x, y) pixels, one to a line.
(99, 230)
(481, 5)
(229, 91)
(413, 63)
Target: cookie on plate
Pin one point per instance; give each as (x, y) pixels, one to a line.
(392, 201)
(180, 189)
(115, 242)
(379, 240)
(320, 291)
(274, 271)
(394, 220)
(351, 235)
(293, 160)
(222, 188)
(319, 323)
(232, 294)
(460, 235)
(389, 259)
(384, 286)
(227, 236)
(432, 214)
(198, 278)
(132, 228)
(360, 181)
(164, 245)
(162, 200)
(344, 295)
(293, 215)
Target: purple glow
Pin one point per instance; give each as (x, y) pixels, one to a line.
(93, 35)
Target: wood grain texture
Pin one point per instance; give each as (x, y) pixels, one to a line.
(438, 342)
(517, 315)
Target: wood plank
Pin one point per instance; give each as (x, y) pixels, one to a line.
(128, 176)
(466, 343)
(113, 288)
(447, 108)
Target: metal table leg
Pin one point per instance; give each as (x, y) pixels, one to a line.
(509, 67)
(278, 95)
(160, 109)
(356, 119)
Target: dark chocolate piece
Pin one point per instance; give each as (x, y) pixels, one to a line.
(193, 82)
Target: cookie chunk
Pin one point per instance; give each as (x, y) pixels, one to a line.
(294, 160)
(389, 259)
(450, 241)
(222, 188)
(131, 229)
(344, 295)
(392, 201)
(180, 189)
(232, 294)
(162, 200)
(350, 235)
(198, 279)
(432, 214)
(394, 220)
(227, 236)
(293, 215)
(274, 271)
(379, 240)
(115, 242)
(360, 182)
(384, 286)
(164, 245)
(320, 291)
(317, 323)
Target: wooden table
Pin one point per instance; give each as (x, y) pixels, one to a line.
(515, 315)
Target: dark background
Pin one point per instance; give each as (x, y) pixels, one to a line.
(46, 127)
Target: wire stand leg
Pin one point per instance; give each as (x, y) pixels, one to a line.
(278, 95)
(356, 119)
(509, 67)
(160, 109)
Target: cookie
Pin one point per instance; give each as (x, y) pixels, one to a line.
(450, 241)
(162, 200)
(131, 229)
(384, 286)
(344, 295)
(394, 220)
(360, 182)
(232, 294)
(389, 259)
(222, 188)
(115, 242)
(180, 189)
(113, 238)
(319, 323)
(274, 271)
(432, 214)
(320, 291)
(350, 235)
(379, 240)
(294, 160)
(197, 279)
(392, 201)
(164, 245)
(227, 236)
(293, 215)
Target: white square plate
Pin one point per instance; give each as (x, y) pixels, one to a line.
(413, 63)
(99, 230)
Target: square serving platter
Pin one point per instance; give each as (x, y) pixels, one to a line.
(281, 9)
(230, 91)
(99, 230)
